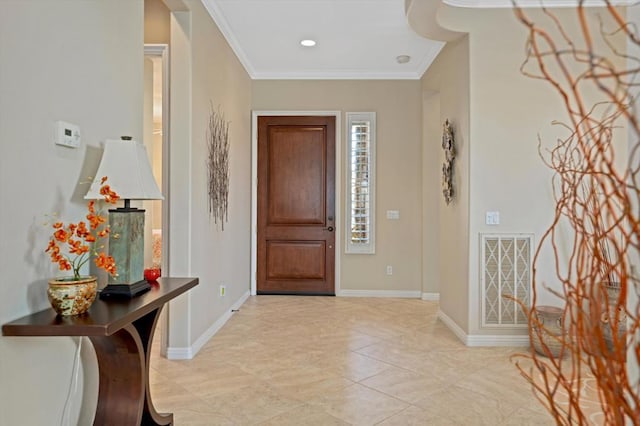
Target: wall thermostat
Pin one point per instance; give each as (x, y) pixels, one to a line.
(67, 134)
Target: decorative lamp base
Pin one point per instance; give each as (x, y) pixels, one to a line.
(126, 244)
(125, 291)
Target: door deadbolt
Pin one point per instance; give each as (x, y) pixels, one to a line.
(330, 229)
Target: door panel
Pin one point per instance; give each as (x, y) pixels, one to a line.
(296, 205)
(296, 176)
(296, 259)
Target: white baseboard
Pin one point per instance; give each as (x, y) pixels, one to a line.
(478, 340)
(497, 340)
(434, 297)
(179, 353)
(451, 324)
(191, 351)
(406, 294)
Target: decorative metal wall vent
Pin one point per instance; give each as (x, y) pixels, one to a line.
(506, 271)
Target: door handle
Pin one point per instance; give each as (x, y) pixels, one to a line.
(330, 229)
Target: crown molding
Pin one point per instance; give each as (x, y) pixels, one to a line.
(428, 60)
(338, 75)
(225, 29)
(492, 4)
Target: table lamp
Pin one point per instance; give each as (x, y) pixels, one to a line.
(126, 164)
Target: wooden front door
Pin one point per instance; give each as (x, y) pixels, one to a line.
(296, 205)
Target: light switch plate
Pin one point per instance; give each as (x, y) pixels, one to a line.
(393, 214)
(67, 134)
(493, 218)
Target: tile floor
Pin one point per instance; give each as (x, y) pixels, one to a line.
(287, 360)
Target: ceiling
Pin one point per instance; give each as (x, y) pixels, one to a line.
(356, 39)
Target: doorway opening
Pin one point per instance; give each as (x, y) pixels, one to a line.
(155, 137)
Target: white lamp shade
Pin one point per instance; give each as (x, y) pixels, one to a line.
(127, 167)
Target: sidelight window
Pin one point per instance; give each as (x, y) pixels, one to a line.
(361, 129)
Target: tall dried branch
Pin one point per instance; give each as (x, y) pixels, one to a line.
(597, 205)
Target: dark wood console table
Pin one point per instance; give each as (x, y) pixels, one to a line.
(121, 332)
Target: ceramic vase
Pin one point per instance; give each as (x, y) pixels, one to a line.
(72, 297)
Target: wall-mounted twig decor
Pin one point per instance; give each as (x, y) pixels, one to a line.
(218, 166)
(447, 167)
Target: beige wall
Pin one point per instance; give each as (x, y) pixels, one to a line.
(219, 257)
(205, 71)
(147, 125)
(431, 191)
(157, 30)
(508, 113)
(446, 90)
(398, 106)
(88, 72)
(156, 22)
(633, 367)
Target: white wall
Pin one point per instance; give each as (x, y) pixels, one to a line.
(88, 72)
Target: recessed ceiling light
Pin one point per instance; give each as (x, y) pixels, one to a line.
(403, 59)
(308, 42)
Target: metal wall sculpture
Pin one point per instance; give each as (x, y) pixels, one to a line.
(218, 166)
(447, 167)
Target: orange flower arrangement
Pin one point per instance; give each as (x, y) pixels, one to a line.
(81, 238)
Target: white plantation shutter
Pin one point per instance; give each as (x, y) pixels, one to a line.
(360, 178)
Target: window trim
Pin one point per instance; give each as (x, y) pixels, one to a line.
(370, 247)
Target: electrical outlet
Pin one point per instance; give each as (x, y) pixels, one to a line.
(389, 270)
(223, 290)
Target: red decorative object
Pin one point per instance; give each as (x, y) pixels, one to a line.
(151, 274)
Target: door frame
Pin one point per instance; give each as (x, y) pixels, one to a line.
(161, 50)
(254, 189)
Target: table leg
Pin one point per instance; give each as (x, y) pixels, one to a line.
(146, 327)
(123, 362)
(121, 373)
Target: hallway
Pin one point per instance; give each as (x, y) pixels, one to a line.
(285, 360)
